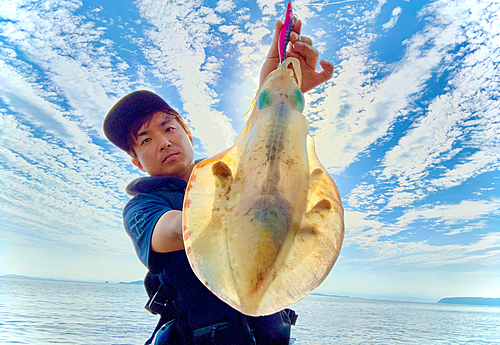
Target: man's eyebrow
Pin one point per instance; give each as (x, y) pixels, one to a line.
(167, 121)
(142, 134)
(163, 124)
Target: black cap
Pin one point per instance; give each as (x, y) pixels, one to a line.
(135, 105)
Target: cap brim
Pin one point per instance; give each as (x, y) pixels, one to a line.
(129, 109)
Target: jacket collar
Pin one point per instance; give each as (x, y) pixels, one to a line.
(150, 183)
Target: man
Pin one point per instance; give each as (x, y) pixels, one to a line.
(160, 144)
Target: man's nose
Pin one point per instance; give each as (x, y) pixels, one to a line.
(164, 143)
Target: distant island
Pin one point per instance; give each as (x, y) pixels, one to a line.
(320, 294)
(471, 301)
(25, 277)
(134, 282)
(19, 276)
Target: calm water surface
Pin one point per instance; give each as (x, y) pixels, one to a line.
(58, 312)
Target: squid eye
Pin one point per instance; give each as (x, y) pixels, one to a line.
(264, 100)
(298, 100)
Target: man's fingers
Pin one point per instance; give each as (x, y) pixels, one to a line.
(274, 46)
(306, 40)
(308, 52)
(305, 49)
(327, 68)
(297, 26)
(314, 79)
(326, 74)
(294, 37)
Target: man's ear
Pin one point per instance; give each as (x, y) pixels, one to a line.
(137, 163)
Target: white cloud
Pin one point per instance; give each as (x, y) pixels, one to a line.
(303, 10)
(55, 194)
(363, 196)
(450, 214)
(473, 226)
(62, 187)
(355, 114)
(228, 29)
(242, 15)
(394, 19)
(461, 119)
(252, 50)
(225, 6)
(362, 228)
(179, 38)
(358, 112)
(319, 32)
(485, 253)
(371, 234)
(376, 235)
(268, 7)
(66, 58)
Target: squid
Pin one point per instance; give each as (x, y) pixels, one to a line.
(263, 222)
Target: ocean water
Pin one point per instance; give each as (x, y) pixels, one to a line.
(58, 312)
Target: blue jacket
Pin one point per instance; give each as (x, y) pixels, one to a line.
(202, 318)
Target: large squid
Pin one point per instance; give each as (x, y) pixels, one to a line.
(262, 221)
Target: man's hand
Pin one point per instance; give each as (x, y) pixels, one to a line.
(302, 49)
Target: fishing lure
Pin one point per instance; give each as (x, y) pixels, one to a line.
(262, 221)
(286, 29)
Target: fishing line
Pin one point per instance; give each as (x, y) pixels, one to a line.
(329, 3)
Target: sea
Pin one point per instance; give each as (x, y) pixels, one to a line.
(36, 311)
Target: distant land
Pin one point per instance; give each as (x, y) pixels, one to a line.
(484, 301)
(134, 282)
(320, 294)
(19, 276)
(471, 301)
(25, 277)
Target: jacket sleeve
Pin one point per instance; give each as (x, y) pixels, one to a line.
(140, 216)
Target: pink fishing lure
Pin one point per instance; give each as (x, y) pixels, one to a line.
(284, 37)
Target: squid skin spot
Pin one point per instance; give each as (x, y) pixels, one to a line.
(187, 235)
(184, 227)
(323, 204)
(188, 250)
(206, 283)
(187, 203)
(309, 230)
(193, 178)
(221, 169)
(317, 171)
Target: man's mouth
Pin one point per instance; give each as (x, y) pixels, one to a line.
(169, 157)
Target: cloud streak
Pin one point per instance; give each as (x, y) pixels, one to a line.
(180, 35)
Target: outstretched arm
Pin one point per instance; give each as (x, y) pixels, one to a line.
(302, 49)
(167, 233)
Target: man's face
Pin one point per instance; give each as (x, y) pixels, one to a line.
(163, 148)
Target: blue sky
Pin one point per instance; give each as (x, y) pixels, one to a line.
(408, 127)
